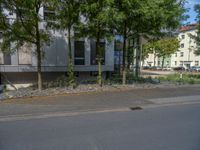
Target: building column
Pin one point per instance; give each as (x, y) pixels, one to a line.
(87, 52)
(109, 53)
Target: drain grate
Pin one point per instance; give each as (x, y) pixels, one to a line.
(135, 108)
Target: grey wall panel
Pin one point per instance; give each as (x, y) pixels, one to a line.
(56, 53)
(62, 51)
(57, 56)
(53, 68)
(50, 53)
(21, 78)
(34, 59)
(14, 58)
(109, 54)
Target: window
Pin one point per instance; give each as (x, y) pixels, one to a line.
(79, 52)
(175, 54)
(196, 63)
(118, 45)
(49, 13)
(182, 45)
(181, 54)
(24, 54)
(1, 34)
(158, 63)
(175, 63)
(183, 36)
(10, 13)
(181, 63)
(7, 59)
(1, 58)
(95, 54)
(20, 14)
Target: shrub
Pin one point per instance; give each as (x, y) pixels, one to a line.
(186, 78)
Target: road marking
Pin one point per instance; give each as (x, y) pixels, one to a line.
(169, 104)
(57, 114)
(179, 99)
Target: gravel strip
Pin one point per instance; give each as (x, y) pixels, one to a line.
(30, 92)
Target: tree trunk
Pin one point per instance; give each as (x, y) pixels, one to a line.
(119, 65)
(124, 55)
(99, 72)
(163, 60)
(98, 50)
(39, 58)
(71, 80)
(140, 53)
(133, 58)
(129, 56)
(154, 59)
(69, 45)
(39, 69)
(137, 69)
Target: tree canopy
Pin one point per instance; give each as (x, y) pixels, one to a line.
(21, 23)
(144, 18)
(67, 18)
(162, 48)
(197, 38)
(101, 19)
(99, 16)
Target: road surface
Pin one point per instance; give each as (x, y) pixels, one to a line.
(162, 128)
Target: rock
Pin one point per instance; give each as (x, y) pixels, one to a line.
(1, 88)
(155, 81)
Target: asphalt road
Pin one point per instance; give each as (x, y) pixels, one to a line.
(163, 128)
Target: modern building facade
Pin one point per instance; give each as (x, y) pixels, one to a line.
(20, 67)
(185, 56)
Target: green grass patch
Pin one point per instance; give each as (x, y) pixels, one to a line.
(186, 78)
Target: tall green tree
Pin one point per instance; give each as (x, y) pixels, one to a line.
(148, 17)
(99, 17)
(67, 18)
(166, 47)
(197, 38)
(162, 48)
(25, 28)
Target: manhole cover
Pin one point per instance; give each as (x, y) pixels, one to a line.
(135, 108)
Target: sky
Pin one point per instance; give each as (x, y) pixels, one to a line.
(190, 4)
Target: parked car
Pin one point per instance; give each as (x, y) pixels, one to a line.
(179, 69)
(195, 68)
(167, 69)
(146, 67)
(156, 68)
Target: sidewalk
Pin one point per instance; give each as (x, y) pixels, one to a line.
(96, 101)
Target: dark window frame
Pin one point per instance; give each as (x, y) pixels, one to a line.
(196, 63)
(181, 54)
(79, 58)
(7, 59)
(48, 14)
(182, 45)
(94, 58)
